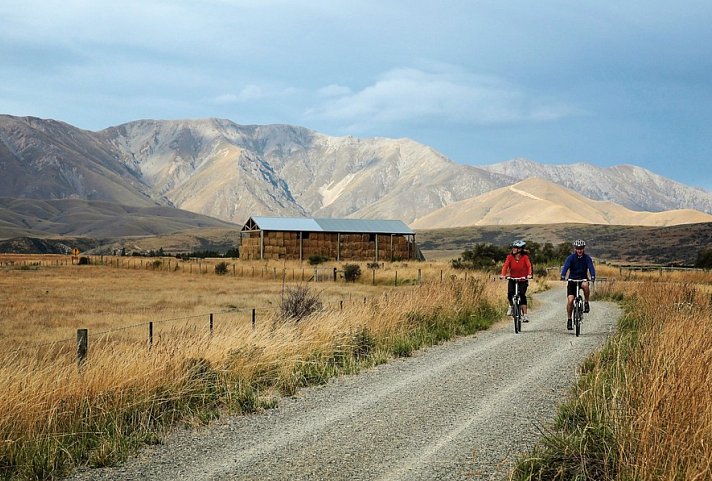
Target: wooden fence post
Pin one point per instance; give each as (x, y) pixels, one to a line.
(150, 335)
(253, 319)
(419, 276)
(82, 346)
(395, 280)
(211, 323)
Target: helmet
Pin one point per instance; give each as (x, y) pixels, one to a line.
(519, 244)
(579, 243)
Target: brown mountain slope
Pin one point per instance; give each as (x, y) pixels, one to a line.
(95, 219)
(537, 201)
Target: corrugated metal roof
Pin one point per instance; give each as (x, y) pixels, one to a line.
(286, 224)
(307, 224)
(371, 226)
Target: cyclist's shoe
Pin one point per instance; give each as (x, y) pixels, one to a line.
(569, 325)
(509, 311)
(586, 307)
(525, 318)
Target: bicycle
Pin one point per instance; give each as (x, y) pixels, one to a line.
(516, 307)
(577, 314)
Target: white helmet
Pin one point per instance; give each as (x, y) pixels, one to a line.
(579, 243)
(520, 244)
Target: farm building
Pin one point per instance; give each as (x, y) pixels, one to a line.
(299, 238)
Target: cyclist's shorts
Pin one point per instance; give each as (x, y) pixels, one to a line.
(571, 289)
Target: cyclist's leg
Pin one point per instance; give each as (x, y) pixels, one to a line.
(510, 294)
(570, 293)
(523, 300)
(586, 292)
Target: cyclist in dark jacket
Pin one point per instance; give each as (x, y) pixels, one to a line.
(579, 266)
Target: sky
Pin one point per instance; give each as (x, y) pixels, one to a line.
(558, 82)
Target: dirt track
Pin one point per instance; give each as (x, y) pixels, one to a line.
(458, 411)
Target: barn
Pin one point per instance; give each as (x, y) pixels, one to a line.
(299, 238)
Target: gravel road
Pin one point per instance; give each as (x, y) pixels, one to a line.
(458, 411)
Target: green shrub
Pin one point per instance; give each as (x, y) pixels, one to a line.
(704, 259)
(352, 272)
(317, 259)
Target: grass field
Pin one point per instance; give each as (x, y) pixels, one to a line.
(56, 413)
(643, 407)
(641, 411)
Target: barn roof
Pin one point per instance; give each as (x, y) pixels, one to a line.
(308, 224)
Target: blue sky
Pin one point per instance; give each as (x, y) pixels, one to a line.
(602, 82)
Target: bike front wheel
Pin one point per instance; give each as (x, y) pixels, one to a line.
(517, 316)
(578, 316)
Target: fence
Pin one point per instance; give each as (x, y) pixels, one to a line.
(378, 275)
(82, 341)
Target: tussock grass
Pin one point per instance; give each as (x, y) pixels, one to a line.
(55, 415)
(642, 409)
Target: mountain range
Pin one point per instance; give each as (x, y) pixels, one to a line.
(539, 201)
(230, 172)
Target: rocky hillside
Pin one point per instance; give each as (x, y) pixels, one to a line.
(229, 171)
(630, 186)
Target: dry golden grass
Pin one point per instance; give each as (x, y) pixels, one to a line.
(643, 407)
(55, 414)
(46, 298)
(667, 408)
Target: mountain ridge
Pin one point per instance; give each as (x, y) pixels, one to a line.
(539, 201)
(218, 168)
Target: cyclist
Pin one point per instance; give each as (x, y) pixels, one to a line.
(517, 264)
(579, 266)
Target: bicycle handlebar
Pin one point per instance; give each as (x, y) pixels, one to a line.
(518, 278)
(579, 280)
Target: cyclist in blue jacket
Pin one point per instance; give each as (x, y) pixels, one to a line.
(579, 266)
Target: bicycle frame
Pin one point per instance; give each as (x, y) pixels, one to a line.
(577, 314)
(516, 307)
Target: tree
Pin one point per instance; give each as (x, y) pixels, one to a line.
(704, 259)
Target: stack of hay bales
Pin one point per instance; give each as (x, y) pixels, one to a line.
(250, 246)
(353, 246)
(320, 244)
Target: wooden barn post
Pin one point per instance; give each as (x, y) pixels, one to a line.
(262, 244)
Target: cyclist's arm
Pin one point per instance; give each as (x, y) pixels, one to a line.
(591, 269)
(567, 264)
(530, 268)
(505, 266)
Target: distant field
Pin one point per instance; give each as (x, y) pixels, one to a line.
(45, 298)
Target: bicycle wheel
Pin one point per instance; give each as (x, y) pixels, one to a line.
(517, 316)
(578, 315)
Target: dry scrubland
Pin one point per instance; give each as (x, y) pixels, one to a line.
(643, 407)
(641, 411)
(55, 415)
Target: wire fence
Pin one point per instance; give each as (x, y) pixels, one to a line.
(80, 343)
(233, 268)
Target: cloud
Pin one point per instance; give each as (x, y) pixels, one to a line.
(334, 90)
(415, 96)
(253, 93)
